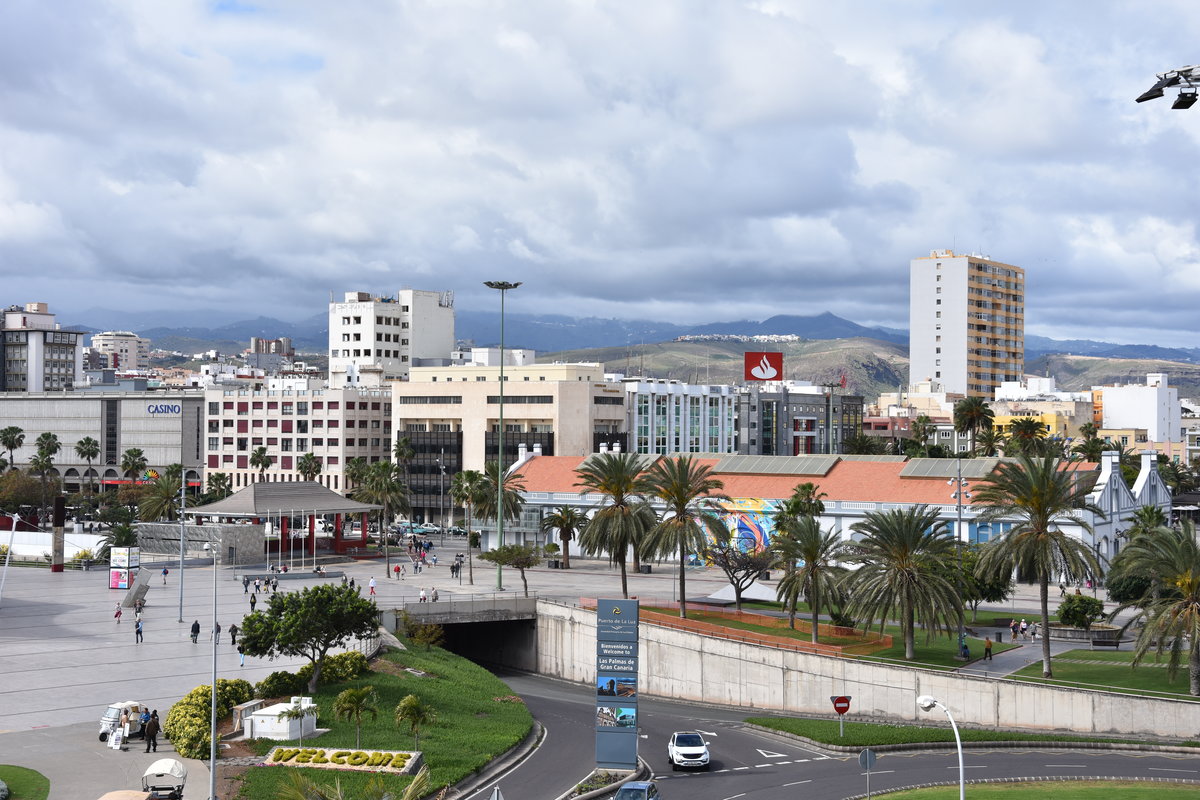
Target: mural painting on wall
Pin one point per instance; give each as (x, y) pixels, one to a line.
(749, 520)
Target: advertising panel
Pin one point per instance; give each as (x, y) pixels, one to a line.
(763, 367)
(616, 683)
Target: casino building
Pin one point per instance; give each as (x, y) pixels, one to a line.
(167, 426)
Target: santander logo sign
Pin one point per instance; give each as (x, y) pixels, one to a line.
(763, 366)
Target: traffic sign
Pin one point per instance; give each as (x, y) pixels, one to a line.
(866, 759)
(841, 704)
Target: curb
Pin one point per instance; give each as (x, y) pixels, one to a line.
(1064, 778)
(641, 773)
(1003, 745)
(502, 764)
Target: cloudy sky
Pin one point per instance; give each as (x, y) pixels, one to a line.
(678, 159)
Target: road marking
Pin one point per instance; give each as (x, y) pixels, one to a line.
(760, 766)
(976, 766)
(1077, 766)
(1167, 769)
(732, 796)
(706, 733)
(781, 763)
(723, 770)
(797, 783)
(877, 772)
(771, 754)
(740, 768)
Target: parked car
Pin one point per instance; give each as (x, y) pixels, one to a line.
(638, 790)
(457, 530)
(687, 749)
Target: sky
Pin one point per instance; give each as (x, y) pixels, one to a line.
(680, 160)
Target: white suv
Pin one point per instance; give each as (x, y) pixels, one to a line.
(687, 749)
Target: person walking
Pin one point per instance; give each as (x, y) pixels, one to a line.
(117, 613)
(215, 636)
(245, 584)
(151, 730)
(257, 585)
(165, 573)
(195, 631)
(435, 594)
(1013, 627)
(274, 585)
(424, 598)
(241, 655)
(352, 583)
(137, 632)
(1025, 630)
(253, 602)
(987, 649)
(233, 632)
(371, 586)
(396, 571)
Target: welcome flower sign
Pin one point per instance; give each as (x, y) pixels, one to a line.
(396, 762)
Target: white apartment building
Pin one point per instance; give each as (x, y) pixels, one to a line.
(166, 426)
(1153, 406)
(664, 416)
(123, 350)
(374, 340)
(289, 420)
(36, 354)
(966, 322)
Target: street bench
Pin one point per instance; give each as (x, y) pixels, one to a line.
(1114, 643)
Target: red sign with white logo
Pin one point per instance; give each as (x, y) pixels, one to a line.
(763, 366)
(841, 704)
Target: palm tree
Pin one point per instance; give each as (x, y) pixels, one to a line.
(120, 534)
(352, 704)
(219, 484)
(1040, 494)
(41, 465)
(1025, 435)
(412, 712)
(803, 542)
(1178, 477)
(692, 514)
(298, 711)
(466, 488)
(989, 441)
(568, 521)
(383, 485)
(921, 429)
(161, 500)
(133, 463)
(304, 788)
(88, 449)
(623, 517)
(11, 439)
(805, 501)
(404, 452)
(260, 461)
(1145, 519)
(1090, 448)
(309, 466)
(972, 414)
(1170, 612)
(356, 470)
(904, 558)
(513, 487)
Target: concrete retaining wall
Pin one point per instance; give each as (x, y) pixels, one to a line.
(688, 666)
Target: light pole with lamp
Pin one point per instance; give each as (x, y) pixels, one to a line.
(182, 507)
(212, 730)
(441, 462)
(960, 491)
(503, 287)
(928, 703)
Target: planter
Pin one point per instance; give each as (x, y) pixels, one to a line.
(1102, 632)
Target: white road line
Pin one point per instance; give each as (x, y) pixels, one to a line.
(801, 760)
(760, 766)
(723, 770)
(1168, 769)
(1077, 766)
(732, 796)
(740, 768)
(975, 766)
(781, 763)
(878, 772)
(796, 783)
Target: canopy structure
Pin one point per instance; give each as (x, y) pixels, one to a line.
(270, 498)
(165, 771)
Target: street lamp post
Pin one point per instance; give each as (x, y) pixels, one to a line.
(182, 506)
(503, 287)
(212, 730)
(928, 703)
(441, 462)
(12, 535)
(960, 491)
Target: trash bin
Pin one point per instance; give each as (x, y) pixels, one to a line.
(644, 569)
(87, 564)
(1000, 637)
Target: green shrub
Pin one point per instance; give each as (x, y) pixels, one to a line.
(344, 667)
(1128, 588)
(1080, 611)
(187, 723)
(279, 684)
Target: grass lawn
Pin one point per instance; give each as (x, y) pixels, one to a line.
(25, 784)
(938, 653)
(471, 728)
(1111, 671)
(1059, 790)
(868, 734)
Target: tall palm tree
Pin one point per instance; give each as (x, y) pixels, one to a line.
(903, 561)
(11, 439)
(692, 514)
(1170, 612)
(309, 466)
(133, 463)
(805, 501)
(161, 500)
(1025, 435)
(512, 485)
(41, 465)
(219, 485)
(1178, 477)
(466, 489)
(88, 449)
(260, 461)
(972, 414)
(383, 485)
(412, 712)
(803, 543)
(354, 704)
(921, 429)
(989, 441)
(623, 518)
(403, 453)
(1144, 520)
(568, 521)
(1089, 449)
(298, 711)
(356, 470)
(1041, 494)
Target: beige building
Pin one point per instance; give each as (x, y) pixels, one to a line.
(373, 340)
(335, 425)
(122, 350)
(966, 322)
(36, 354)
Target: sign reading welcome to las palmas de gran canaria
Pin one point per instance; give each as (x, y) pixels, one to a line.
(398, 762)
(616, 683)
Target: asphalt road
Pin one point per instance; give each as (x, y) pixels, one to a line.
(749, 764)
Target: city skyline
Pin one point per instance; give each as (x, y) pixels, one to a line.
(786, 158)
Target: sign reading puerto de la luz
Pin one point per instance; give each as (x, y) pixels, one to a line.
(399, 762)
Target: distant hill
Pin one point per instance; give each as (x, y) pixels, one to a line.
(1080, 373)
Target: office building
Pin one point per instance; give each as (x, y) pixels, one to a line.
(966, 322)
(36, 354)
(374, 340)
(791, 418)
(123, 350)
(1153, 406)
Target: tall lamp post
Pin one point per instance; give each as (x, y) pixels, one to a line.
(960, 491)
(212, 730)
(928, 703)
(182, 507)
(441, 462)
(12, 535)
(503, 287)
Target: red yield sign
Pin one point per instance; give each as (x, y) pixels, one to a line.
(841, 704)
